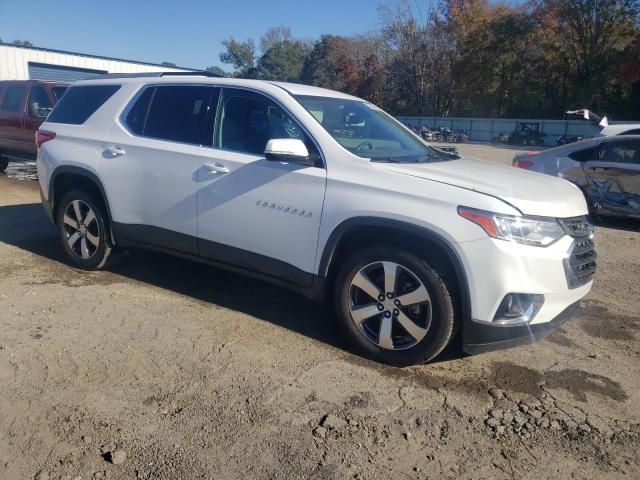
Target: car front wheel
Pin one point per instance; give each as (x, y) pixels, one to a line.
(83, 230)
(394, 306)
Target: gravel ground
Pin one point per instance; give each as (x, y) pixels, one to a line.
(162, 368)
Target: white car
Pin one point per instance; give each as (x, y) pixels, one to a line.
(606, 169)
(323, 193)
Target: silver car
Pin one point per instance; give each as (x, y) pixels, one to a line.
(607, 170)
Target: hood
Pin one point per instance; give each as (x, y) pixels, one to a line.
(530, 192)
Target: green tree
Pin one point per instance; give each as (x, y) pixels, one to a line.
(23, 43)
(330, 65)
(283, 61)
(217, 70)
(240, 55)
(168, 64)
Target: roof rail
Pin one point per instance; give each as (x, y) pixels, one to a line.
(202, 73)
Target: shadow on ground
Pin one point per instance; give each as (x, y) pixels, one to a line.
(26, 227)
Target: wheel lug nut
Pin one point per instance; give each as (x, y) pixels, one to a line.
(381, 298)
(380, 307)
(389, 295)
(387, 314)
(397, 302)
(396, 312)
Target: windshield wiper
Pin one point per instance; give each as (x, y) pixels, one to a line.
(423, 159)
(428, 158)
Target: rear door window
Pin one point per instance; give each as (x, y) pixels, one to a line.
(80, 102)
(137, 115)
(627, 151)
(39, 104)
(12, 100)
(176, 113)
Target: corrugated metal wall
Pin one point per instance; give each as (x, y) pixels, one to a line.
(14, 63)
(57, 73)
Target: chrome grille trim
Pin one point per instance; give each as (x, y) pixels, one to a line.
(580, 264)
(576, 227)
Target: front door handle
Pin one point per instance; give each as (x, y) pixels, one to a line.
(216, 168)
(115, 151)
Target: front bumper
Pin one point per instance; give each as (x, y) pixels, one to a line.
(481, 338)
(496, 268)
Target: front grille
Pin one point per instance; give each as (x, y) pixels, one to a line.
(577, 227)
(580, 265)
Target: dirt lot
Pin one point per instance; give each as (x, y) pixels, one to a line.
(161, 368)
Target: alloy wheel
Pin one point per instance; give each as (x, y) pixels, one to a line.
(81, 229)
(390, 305)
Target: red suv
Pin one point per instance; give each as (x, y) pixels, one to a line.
(24, 105)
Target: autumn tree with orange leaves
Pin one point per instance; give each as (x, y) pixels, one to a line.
(471, 58)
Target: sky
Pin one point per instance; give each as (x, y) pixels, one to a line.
(186, 32)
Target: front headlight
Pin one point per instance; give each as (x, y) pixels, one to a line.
(536, 231)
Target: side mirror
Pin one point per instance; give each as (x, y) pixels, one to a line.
(36, 111)
(287, 150)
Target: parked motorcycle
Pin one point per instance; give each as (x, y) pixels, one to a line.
(565, 139)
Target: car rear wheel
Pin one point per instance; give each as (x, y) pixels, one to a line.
(394, 306)
(83, 230)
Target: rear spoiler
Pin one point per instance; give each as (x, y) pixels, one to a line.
(592, 117)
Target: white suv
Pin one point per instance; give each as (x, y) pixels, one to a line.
(323, 193)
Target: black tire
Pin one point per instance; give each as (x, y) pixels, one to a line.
(4, 163)
(443, 323)
(98, 229)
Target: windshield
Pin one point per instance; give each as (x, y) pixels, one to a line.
(367, 131)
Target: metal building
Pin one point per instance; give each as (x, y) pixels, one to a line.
(18, 62)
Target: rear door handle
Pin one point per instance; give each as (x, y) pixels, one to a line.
(115, 151)
(216, 168)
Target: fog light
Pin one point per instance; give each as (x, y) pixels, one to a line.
(518, 309)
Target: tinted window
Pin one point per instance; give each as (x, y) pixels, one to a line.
(12, 100)
(79, 103)
(247, 121)
(584, 154)
(58, 92)
(39, 104)
(620, 152)
(632, 132)
(138, 113)
(178, 113)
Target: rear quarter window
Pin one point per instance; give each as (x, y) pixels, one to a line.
(79, 103)
(584, 155)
